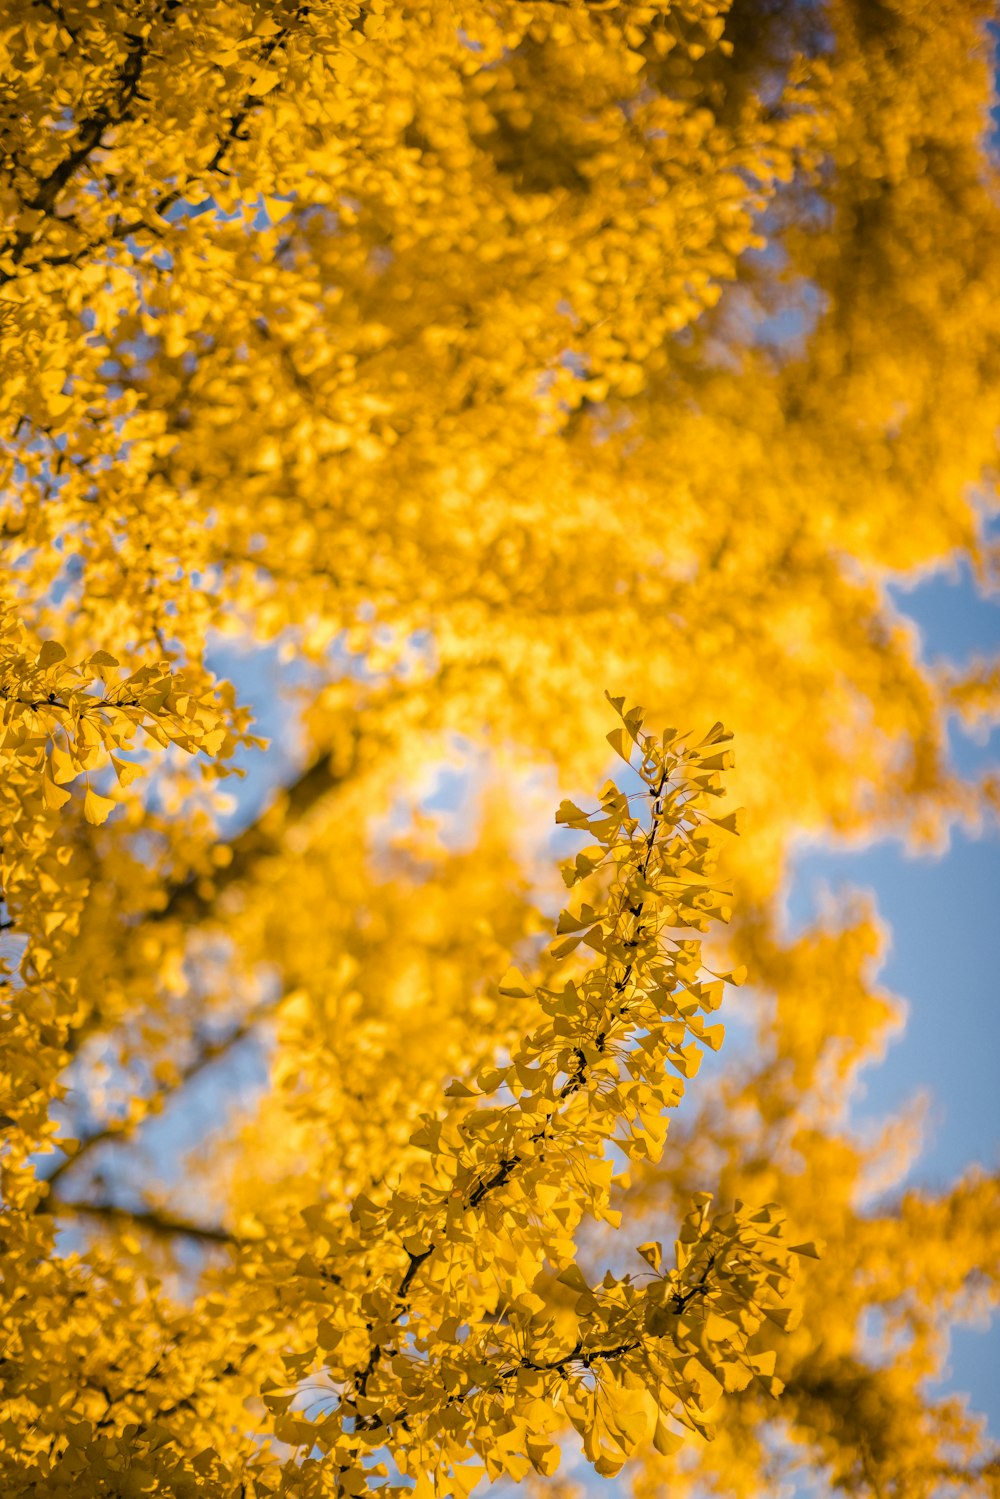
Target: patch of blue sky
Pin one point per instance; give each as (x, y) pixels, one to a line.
(272, 680)
(265, 682)
(940, 913)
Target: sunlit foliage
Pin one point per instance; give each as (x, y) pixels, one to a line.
(463, 359)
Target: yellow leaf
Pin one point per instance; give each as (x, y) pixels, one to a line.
(573, 1277)
(63, 768)
(664, 1440)
(464, 1477)
(125, 770)
(101, 661)
(264, 81)
(621, 743)
(543, 1454)
(55, 796)
(97, 809)
(277, 209)
(515, 985)
(50, 653)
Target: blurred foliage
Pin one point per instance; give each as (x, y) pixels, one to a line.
(474, 357)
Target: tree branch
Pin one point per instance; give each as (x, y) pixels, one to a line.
(90, 133)
(184, 900)
(122, 1130)
(115, 112)
(508, 1163)
(150, 1220)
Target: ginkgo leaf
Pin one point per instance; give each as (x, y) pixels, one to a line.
(622, 744)
(666, 1441)
(51, 654)
(265, 80)
(543, 1455)
(101, 661)
(125, 770)
(97, 808)
(567, 945)
(55, 796)
(63, 768)
(571, 815)
(515, 985)
(652, 1253)
(574, 1278)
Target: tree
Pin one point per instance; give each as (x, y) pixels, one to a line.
(469, 357)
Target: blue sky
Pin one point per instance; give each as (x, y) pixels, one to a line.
(950, 1048)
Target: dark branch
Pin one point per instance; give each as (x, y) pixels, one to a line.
(184, 900)
(121, 1130)
(89, 137)
(499, 1177)
(161, 1225)
(115, 112)
(681, 1298)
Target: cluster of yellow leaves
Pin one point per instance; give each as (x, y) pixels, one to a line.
(445, 256)
(431, 340)
(212, 310)
(434, 1342)
(63, 728)
(417, 1309)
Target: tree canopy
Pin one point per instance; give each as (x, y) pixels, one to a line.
(442, 365)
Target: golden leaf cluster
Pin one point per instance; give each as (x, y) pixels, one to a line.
(415, 368)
